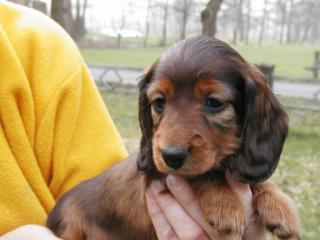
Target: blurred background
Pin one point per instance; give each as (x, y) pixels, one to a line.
(120, 38)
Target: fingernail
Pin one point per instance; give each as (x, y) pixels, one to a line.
(174, 181)
(157, 186)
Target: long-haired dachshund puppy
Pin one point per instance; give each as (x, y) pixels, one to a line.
(202, 109)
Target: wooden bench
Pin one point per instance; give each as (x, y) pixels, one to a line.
(268, 70)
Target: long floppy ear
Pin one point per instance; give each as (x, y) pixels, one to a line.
(264, 131)
(145, 159)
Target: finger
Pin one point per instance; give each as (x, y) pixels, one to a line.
(184, 226)
(183, 193)
(163, 229)
(244, 192)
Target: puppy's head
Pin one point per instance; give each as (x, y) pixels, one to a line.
(202, 107)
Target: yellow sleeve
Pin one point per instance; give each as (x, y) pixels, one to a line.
(54, 128)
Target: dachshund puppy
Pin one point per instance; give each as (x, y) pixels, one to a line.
(203, 110)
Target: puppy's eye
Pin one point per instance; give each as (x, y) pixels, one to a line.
(158, 104)
(213, 105)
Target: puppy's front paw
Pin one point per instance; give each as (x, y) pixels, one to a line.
(224, 211)
(277, 211)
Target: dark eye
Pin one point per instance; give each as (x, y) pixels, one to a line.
(158, 104)
(213, 105)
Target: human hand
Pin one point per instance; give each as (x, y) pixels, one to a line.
(177, 215)
(29, 232)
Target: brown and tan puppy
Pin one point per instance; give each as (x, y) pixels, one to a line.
(202, 109)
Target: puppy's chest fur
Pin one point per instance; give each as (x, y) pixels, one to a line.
(112, 205)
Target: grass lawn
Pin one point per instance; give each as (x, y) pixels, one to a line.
(299, 167)
(132, 57)
(290, 60)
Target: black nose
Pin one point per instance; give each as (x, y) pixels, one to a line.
(175, 156)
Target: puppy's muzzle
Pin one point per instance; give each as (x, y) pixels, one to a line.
(175, 157)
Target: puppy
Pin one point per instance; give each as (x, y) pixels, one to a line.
(203, 110)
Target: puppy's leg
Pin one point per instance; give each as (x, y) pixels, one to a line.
(221, 207)
(276, 210)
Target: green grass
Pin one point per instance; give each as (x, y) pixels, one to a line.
(298, 170)
(290, 60)
(299, 167)
(135, 57)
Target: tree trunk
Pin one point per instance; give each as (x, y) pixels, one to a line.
(311, 10)
(283, 9)
(315, 27)
(289, 22)
(240, 20)
(236, 22)
(21, 2)
(119, 38)
(62, 14)
(79, 22)
(235, 36)
(40, 6)
(147, 25)
(209, 17)
(122, 26)
(163, 41)
(248, 25)
(184, 24)
(185, 16)
(264, 18)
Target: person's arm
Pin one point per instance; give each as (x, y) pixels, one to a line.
(55, 130)
(83, 137)
(171, 213)
(29, 232)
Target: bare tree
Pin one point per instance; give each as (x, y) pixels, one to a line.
(240, 20)
(40, 6)
(238, 31)
(79, 20)
(183, 8)
(165, 8)
(118, 25)
(61, 12)
(263, 22)
(209, 17)
(281, 8)
(289, 21)
(147, 25)
(248, 22)
(315, 26)
(312, 8)
(21, 2)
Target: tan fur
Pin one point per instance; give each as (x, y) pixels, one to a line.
(210, 146)
(221, 206)
(276, 211)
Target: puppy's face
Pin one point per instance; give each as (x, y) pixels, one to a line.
(194, 127)
(201, 107)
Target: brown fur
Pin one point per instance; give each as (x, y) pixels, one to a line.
(243, 132)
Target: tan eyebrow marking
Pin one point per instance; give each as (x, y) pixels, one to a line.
(162, 86)
(214, 88)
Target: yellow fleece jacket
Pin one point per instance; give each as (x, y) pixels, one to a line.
(54, 128)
